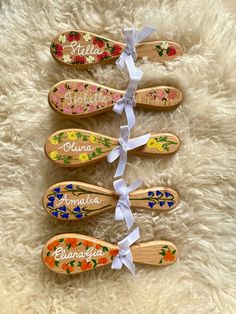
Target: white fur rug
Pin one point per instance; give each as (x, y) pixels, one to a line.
(203, 226)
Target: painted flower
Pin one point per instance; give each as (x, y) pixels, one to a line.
(53, 245)
(115, 97)
(71, 242)
(151, 143)
(93, 88)
(169, 256)
(80, 109)
(67, 109)
(160, 94)
(54, 155)
(87, 243)
(113, 252)
(102, 260)
(83, 157)
(55, 98)
(61, 89)
(54, 140)
(49, 260)
(164, 45)
(90, 59)
(62, 38)
(85, 265)
(87, 37)
(92, 138)
(80, 87)
(67, 268)
(158, 146)
(71, 135)
(66, 58)
(171, 51)
(172, 94)
(92, 107)
(98, 246)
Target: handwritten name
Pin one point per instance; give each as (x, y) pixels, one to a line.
(77, 48)
(84, 201)
(71, 99)
(61, 254)
(71, 146)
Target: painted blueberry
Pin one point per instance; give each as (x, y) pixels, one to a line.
(69, 187)
(162, 203)
(62, 208)
(170, 204)
(158, 193)
(54, 214)
(59, 195)
(151, 204)
(57, 190)
(64, 215)
(77, 209)
(167, 194)
(79, 215)
(150, 193)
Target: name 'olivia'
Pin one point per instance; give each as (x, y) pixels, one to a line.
(71, 146)
(77, 48)
(61, 254)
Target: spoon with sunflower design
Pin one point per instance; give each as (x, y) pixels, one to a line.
(81, 49)
(73, 201)
(72, 253)
(76, 147)
(82, 99)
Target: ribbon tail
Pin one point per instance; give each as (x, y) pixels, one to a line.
(129, 112)
(134, 185)
(129, 264)
(120, 62)
(116, 263)
(121, 165)
(138, 141)
(118, 213)
(145, 33)
(119, 106)
(114, 154)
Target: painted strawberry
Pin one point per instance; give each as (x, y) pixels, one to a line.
(99, 42)
(79, 59)
(102, 260)
(58, 50)
(116, 50)
(102, 56)
(171, 51)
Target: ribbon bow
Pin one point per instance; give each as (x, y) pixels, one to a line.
(123, 210)
(124, 255)
(127, 102)
(132, 38)
(126, 144)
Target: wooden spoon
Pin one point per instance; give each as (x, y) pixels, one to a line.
(82, 99)
(72, 200)
(81, 49)
(76, 147)
(72, 253)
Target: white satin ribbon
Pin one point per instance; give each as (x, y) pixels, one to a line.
(124, 255)
(123, 210)
(127, 102)
(126, 144)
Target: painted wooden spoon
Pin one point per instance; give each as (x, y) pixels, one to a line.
(81, 49)
(72, 200)
(76, 147)
(73, 253)
(82, 99)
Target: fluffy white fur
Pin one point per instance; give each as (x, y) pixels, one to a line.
(203, 171)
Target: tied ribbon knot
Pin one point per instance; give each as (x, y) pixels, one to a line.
(126, 144)
(123, 210)
(124, 255)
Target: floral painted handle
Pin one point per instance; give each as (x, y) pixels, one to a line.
(73, 253)
(75, 147)
(82, 99)
(81, 49)
(73, 201)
